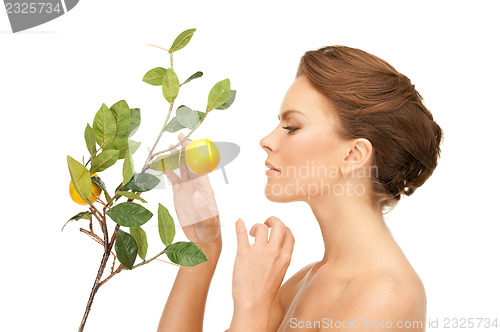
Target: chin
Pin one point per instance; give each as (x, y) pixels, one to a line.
(302, 190)
(280, 196)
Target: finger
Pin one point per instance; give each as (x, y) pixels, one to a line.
(288, 241)
(260, 232)
(241, 235)
(173, 150)
(186, 142)
(277, 231)
(186, 173)
(171, 176)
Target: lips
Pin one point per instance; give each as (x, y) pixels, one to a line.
(271, 166)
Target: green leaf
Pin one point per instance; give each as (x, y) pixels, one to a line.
(126, 249)
(198, 74)
(141, 240)
(182, 40)
(122, 145)
(173, 126)
(218, 94)
(80, 177)
(130, 194)
(135, 121)
(104, 125)
(170, 85)
(229, 101)
(128, 168)
(108, 198)
(129, 214)
(155, 76)
(104, 160)
(87, 215)
(142, 182)
(185, 253)
(97, 180)
(186, 117)
(169, 162)
(166, 225)
(122, 115)
(90, 140)
(200, 115)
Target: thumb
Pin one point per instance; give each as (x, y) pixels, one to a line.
(241, 235)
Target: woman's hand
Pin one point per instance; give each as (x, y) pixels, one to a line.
(195, 205)
(259, 268)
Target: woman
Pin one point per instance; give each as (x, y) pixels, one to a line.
(353, 136)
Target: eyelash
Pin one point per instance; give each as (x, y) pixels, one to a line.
(290, 129)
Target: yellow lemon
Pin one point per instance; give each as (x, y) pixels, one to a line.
(96, 191)
(202, 156)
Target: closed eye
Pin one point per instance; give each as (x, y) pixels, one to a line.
(290, 129)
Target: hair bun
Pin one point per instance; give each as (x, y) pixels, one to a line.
(372, 100)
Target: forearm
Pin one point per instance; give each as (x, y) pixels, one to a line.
(185, 306)
(250, 318)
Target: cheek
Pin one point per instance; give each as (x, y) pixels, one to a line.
(309, 159)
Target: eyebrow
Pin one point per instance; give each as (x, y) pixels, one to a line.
(287, 113)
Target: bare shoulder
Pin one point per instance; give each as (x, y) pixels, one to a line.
(385, 296)
(387, 287)
(284, 297)
(287, 291)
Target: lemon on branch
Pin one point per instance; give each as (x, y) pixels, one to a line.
(96, 191)
(202, 156)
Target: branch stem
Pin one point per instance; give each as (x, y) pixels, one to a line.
(121, 268)
(95, 153)
(93, 236)
(175, 146)
(150, 156)
(95, 287)
(158, 47)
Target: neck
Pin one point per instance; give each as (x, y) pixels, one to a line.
(353, 231)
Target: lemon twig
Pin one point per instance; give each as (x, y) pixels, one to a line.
(93, 236)
(97, 215)
(95, 212)
(113, 265)
(95, 153)
(150, 156)
(97, 239)
(109, 202)
(121, 267)
(95, 287)
(182, 141)
(99, 200)
(158, 47)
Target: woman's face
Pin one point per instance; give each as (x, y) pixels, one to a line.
(309, 157)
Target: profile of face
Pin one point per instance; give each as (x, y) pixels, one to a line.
(305, 149)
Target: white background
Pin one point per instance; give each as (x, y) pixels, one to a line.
(54, 77)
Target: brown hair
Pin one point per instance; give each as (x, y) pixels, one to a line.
(372, 100)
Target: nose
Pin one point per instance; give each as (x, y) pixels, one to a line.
(265, 143)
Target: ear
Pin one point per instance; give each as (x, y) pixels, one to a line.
(358, 155)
